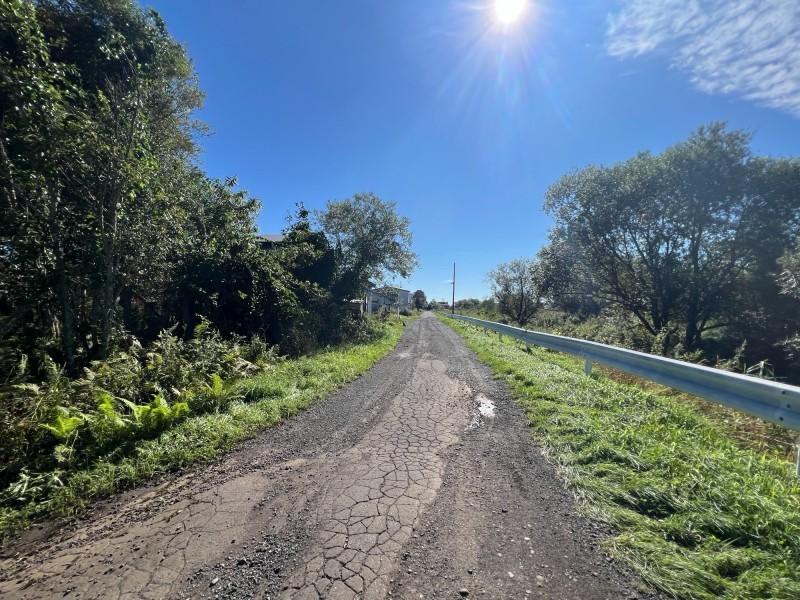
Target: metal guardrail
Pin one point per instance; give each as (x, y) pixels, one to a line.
(768, 400)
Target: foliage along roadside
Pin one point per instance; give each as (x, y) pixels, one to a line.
(247, 405)
(695, 515)
(59, 424)
(110, 229)
(692, 253)
(616, 329)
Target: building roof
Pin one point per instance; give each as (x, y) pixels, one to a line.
(271, 237)
(391, 287)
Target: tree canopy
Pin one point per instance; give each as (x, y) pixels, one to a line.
(693, 241)
(420, 301)
(518, 287)
(110, 228)
(370, 239)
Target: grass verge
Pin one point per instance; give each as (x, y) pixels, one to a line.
(267, 399)
(748, 431)
(696, 515)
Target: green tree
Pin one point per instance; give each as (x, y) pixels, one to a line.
(39, 148)
(789, 283)
(789, 279)
(488, 305)
(468, 303)
(140, 97)
(673, 237)
(567, 279)
(89, 150)
(370, 239)
(420, 301)
(517, 286)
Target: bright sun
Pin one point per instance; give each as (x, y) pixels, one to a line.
(508, 11)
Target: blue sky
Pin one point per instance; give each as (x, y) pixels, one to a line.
(464, 122)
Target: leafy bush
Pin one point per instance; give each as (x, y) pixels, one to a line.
(356, 330)
(135, 394)
(329, 328)
(279, 390)
(612, 327)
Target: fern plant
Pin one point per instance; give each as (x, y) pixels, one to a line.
(31, 487)
(214, 395)
(54, 421)
(64, 426)
(156, 415)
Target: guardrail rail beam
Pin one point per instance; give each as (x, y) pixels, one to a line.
(769, 400)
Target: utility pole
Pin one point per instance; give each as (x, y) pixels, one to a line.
(453, 305)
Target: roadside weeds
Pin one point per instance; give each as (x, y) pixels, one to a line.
(266, 400)
(696, 515)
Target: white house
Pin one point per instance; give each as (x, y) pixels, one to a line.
(395, 299)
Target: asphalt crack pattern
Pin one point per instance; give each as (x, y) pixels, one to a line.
(112, 559)
(418, 479)
(172, 538)
(371, 507)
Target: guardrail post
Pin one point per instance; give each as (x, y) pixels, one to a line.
(797, 459)
(587, 366)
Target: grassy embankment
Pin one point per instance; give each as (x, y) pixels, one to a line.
(696, 514)
(749, 432)
(266, 400)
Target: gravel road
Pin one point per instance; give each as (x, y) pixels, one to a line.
(418, 480)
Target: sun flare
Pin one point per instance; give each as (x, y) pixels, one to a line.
(509, 11)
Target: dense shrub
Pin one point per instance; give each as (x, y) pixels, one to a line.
(613, 327)
(111, 233)
(136, 393)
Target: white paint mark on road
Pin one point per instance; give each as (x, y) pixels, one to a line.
(485, 407)
(486, 410)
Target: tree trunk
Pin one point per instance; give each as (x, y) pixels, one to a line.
(108, 291)
(67, 318)
(691, 334)
(67, 324)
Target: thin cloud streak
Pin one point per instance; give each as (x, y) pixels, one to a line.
(745, 48)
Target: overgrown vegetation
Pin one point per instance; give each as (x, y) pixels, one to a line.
(690, 253)
(109, 227)
(133, 287)
(114, 444)
(61, 424)
(694, 513)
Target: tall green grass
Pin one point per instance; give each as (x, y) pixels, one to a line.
(695, 514)
(265, 400)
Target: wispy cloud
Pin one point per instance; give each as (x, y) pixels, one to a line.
(748, 48)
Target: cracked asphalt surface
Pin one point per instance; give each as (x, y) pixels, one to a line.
(418, 480)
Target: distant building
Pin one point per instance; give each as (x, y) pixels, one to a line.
(269, 240)
(395, 299)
